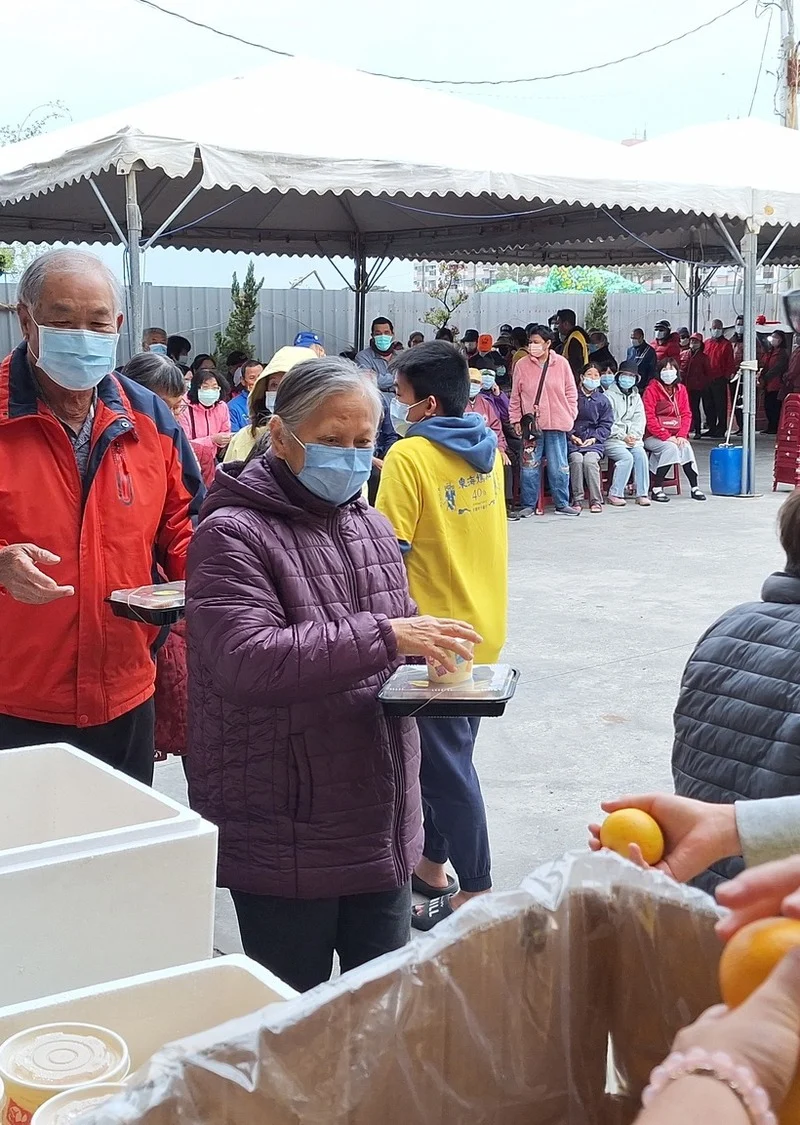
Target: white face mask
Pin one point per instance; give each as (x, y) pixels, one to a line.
(668, 376)
(269, 401)
(208, 396)
(716, 333)
(536, 350)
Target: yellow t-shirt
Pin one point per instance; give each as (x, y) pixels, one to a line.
(454, 517)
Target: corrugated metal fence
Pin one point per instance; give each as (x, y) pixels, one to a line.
(198, 313)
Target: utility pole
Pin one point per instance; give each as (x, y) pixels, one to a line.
(787, 67)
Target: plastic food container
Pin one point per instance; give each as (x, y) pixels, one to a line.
(65, 1108)
(159, 605)
(40, 1062)
(409, 692)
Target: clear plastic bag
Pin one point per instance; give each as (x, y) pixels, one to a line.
(543, 1006)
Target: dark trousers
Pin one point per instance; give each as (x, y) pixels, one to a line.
(295, 938)
(715, 402)
(695, 399)
(126, 743)
(772, 409)
(455, 816)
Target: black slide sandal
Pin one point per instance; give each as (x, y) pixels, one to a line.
(420, 887)
(432, 913)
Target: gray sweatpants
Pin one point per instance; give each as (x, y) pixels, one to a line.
(584, 472)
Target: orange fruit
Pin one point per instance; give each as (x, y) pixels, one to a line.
(747, 960)
(624, 827)
(752, 954)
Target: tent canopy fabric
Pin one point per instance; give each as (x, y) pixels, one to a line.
(302, 157)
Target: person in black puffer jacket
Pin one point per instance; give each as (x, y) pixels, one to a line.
(737, 723)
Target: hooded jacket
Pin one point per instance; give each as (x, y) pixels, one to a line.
(442, 489)
(696, 372)
(720, 357)
(72, 662)
(668, 415)
(595, 419)
(629, 418)
(289, 599)
(667, 349)
(737, 722)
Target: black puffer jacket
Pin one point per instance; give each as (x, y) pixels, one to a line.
(737, 723)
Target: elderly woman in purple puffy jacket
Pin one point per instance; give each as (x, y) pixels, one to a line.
(297, 613)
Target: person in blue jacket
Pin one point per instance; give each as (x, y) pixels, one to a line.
(587, 443)
(237, 407)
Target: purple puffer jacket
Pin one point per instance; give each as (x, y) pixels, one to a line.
(316, 793)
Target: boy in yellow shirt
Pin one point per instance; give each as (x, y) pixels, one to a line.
(442, 490)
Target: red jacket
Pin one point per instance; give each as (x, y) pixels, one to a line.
(697, 375)
(72, 662)
(720, 358)
(668, 349)
(667, 415)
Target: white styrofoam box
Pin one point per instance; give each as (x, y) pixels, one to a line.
(100, 877)
(154, 1009)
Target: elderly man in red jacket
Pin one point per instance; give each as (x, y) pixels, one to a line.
(719, 352)
(97, 487)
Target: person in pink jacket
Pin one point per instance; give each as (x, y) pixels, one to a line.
(547, 377)
(206, 420)
(669, 419)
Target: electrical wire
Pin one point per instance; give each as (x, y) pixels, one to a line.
(456, 81)
(760, 64)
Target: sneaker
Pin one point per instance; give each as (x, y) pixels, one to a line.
(697, 494)
(643, 501)
(660, 496)
(524, 513)
(617, 502)
(512, 514)
(568, 511)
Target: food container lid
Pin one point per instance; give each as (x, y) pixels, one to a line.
(490, 683)
(68, 1107)
(58, 1056)
(167, 595)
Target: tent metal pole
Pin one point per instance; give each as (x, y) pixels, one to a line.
(694, 292)
(773, 244)
(108, 212)
(723, 230)
(749, 256)
(360, 286)
(174, 215)
(134, 222)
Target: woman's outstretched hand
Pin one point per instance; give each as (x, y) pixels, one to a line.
(696, 834)
(435, 638)
(761, 892)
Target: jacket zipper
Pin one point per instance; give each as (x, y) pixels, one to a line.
(123, 476)
(396, 755)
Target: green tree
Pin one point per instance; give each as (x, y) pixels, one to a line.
(597, 313)
(447, 293)
(15, 258)
(242, 319)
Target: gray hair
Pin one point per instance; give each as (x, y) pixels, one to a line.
(158, 373)
(67, 260)
(308, 384)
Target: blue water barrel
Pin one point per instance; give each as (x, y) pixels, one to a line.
(726, 470)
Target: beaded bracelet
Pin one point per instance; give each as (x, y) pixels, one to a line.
(719, 1065)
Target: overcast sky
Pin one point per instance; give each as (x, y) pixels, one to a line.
(101, 55)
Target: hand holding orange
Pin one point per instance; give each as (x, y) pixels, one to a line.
(624, 827)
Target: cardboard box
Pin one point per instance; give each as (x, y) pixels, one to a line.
(100, 877)
(544, 1006)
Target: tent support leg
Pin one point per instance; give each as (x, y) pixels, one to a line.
(134, 221)
(174, 215)
(108, 211)
(749, 256)
(360, 288)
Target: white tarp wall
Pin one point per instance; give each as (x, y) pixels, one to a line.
(198, 313)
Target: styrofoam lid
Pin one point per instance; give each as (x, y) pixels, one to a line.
(65, 1108)
(58, 1056)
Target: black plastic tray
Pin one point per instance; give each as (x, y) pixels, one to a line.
(147, 614)
(408, 692)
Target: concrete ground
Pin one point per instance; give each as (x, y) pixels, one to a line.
(604, 612)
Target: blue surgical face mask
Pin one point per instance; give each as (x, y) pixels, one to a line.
(208, 396)
(594, 348)
(488, 381)
(159, 349)
(626, 382)
(383, 343)
(606, 381)
(335, 474)
(398, 412)
(474, 390)
(74, 358)
(591, 384)
(501, 372)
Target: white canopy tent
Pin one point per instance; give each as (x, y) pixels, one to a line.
(307, 158)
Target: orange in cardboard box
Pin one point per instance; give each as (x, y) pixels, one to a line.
(746, 962)
(624, 827)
